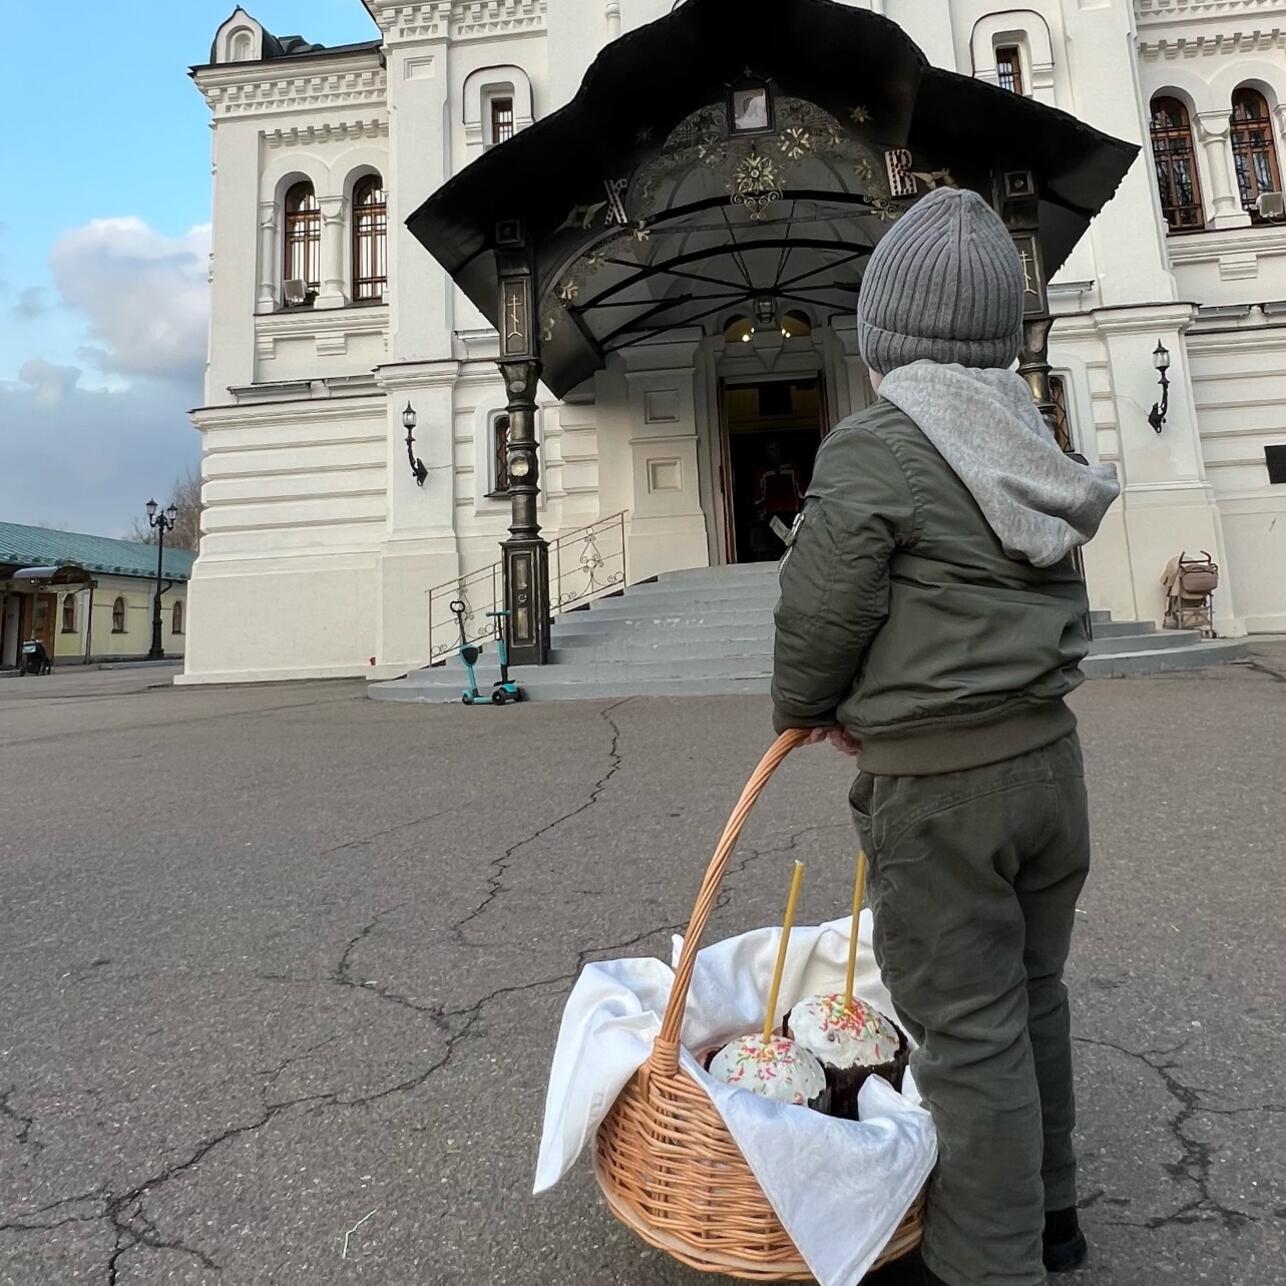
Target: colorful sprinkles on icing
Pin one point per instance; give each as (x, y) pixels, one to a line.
(844, 1035)
(778, 1068)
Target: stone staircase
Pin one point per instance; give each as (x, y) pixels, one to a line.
(709, 631)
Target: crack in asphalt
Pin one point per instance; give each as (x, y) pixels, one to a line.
(1261, 666)
(363, 840)
(124, 1212)
(500, 865)
(23, 1122)
(1196, 1157)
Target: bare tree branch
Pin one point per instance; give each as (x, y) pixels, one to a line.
(186, 497)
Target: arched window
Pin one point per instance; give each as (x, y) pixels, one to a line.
(118, 616)
(1176, 166)
(370, 238)
(795, 325)
(302, 260)
(1253, 150)
(69, 614)
(500, 455)
(176, 625)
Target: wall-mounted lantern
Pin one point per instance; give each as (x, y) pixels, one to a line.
(409, 420)
(1161, 360)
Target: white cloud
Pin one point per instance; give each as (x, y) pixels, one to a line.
(84, 442)
(144, 296)
(49, 384)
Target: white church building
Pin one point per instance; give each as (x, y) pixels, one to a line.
(322, 543)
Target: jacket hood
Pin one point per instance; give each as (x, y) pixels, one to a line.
(1040, 503)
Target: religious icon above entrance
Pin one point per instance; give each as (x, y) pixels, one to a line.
(750, 110)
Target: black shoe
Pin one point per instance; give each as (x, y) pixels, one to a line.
(909, 1270)
(1064, 1242)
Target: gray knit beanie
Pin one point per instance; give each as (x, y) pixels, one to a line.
(944, 284)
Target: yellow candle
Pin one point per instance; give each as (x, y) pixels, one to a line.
(796, 881)
(859, 888)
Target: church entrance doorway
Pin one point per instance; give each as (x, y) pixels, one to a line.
(772, 429)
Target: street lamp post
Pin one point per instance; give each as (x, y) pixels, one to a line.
(160, 523)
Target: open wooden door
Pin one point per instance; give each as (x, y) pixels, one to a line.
(43, 612)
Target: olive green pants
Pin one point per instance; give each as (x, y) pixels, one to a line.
(974, 877)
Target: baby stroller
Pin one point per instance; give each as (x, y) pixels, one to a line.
(1190, 584)
(34, 659)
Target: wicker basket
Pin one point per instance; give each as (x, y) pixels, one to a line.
(665, 1160)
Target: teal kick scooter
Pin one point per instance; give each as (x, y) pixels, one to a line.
(505, 689)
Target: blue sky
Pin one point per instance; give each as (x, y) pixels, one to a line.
(103, 246)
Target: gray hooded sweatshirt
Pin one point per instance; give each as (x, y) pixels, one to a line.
(1039, 502)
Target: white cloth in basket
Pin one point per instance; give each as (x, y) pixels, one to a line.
(840, 1188)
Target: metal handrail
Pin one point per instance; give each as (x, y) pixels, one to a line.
(579, 572)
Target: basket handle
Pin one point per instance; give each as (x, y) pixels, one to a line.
(665, 1052)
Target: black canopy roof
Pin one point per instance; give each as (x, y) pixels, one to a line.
(647, 212)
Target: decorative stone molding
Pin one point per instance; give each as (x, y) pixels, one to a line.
(1204, 247)
(1154, 12)
(480, 18)
(265, 90)
(331, 132)
(457, 19)
(401, 21)
(330, 329)
(1234, 42)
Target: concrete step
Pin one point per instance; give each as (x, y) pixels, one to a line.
(1118, 665)
(733, 573)
(676, 603)
(1153, 641)
(679, 640)
(573, 682)
(1114, 629)
(723, 619)
(709, 630)
(584, 665)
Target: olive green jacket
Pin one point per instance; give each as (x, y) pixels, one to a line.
(902, 618)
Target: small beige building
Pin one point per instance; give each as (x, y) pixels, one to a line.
(87, 598)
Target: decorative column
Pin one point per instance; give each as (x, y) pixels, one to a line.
(525, 554)
(1213, 131)
(332, 294)
(266, 300)
(1020, 209)
(613, 19)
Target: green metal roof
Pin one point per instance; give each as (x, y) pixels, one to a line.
(39, 547)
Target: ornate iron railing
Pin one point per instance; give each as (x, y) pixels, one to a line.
(480, 592)
(587, 563)
(584, 564)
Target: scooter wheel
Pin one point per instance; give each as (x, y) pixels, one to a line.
(499, 697)
(519, 695)
(466, 699)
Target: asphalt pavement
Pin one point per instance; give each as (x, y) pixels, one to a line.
(281, 964)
